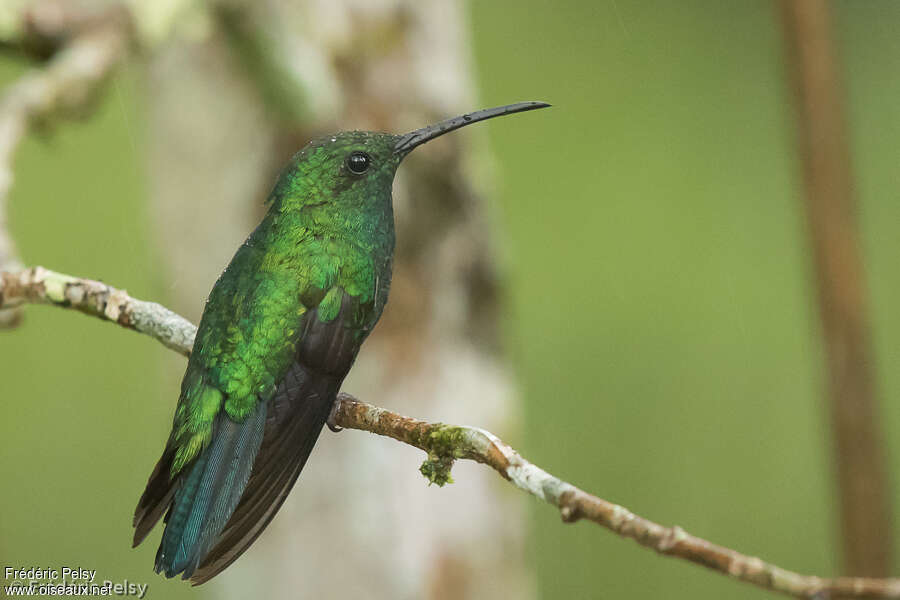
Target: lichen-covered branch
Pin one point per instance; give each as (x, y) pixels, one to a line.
(65, 86)
(445, 444)
(42, 286)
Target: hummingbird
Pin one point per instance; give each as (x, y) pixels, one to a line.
(280, 331)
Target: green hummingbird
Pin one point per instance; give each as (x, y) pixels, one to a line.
(281, 328)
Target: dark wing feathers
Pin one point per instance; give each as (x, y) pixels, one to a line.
(156, 499)
(298, 411)
(223, 501)
(287, 444)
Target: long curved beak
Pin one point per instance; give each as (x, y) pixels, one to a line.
(418, 137)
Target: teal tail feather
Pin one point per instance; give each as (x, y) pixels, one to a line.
(295, 419)
(223, 501)
(209, 494)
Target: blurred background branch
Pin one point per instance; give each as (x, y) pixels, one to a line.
(445, 444)
(85, 48)
(824, 147)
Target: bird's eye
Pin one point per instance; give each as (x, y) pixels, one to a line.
(358, 163)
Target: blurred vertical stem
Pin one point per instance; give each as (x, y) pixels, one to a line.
(830, 210)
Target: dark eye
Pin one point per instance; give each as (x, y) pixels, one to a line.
(358, 163)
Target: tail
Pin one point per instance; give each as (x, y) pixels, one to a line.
(210, 493)
(239, 482)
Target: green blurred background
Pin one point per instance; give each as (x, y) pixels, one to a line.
(661, 310)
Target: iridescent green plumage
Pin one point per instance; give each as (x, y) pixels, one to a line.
(280, 331)
(306, 254)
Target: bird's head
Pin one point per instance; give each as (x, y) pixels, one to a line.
(357, 167)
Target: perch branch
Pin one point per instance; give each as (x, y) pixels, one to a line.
(446, 443)
(42, 286)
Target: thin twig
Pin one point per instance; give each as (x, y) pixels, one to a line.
(447, 443)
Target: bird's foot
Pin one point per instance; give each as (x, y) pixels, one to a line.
(332, 418)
